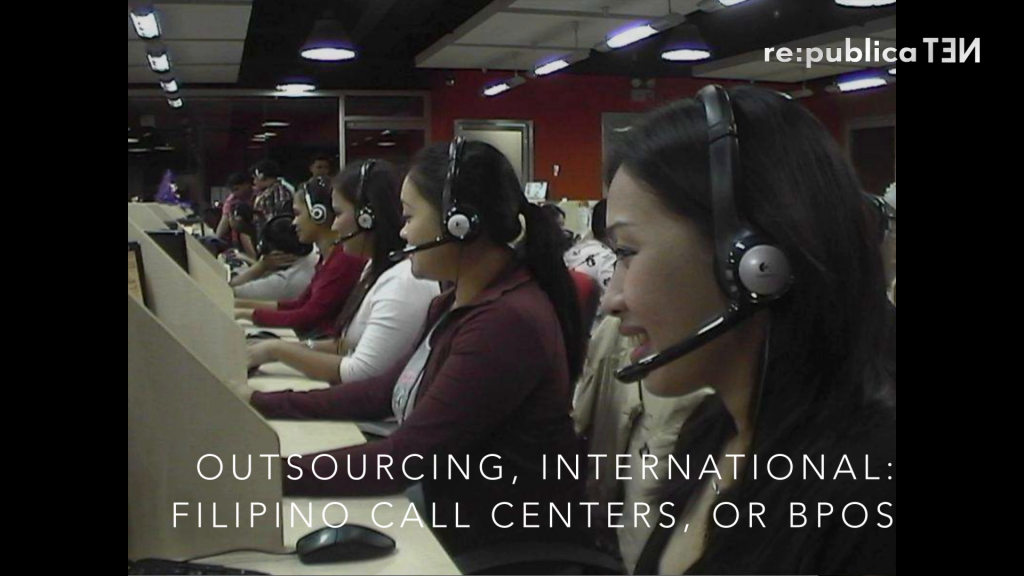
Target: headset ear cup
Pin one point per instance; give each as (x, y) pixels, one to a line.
(318, 214)
(459, 225)
(365, 219)
(765, 272)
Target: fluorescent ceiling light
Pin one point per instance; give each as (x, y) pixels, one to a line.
(504, 86)
(637, 33)
(295, 89)
(631, 36)
(159, 63)
(860, 82)
(171, 86)
(865, 3)
(551, 67)
(146, 24)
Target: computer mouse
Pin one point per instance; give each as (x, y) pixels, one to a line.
(345, 544)
(262, 336)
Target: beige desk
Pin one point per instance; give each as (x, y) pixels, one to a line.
(279, 370)
(284, 333)
(418, 550)
(165, 355)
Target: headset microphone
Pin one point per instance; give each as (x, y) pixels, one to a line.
(708, 333)
(344, 239)
(400, 255)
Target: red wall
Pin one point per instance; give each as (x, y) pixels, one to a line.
(566, 110)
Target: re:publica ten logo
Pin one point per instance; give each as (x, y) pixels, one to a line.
(943, 50)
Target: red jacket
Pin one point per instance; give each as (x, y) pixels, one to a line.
(316, 311)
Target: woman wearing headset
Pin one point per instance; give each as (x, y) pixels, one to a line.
(491, 375)
(385, 314)
(796, 366)
(314, 313)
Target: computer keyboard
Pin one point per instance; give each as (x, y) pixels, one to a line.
(168, 568)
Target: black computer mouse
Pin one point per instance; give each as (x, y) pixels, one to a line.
(345, 544)
(262, 336)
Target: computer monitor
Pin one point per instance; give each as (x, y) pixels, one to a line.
(173, 243)
(136, 274)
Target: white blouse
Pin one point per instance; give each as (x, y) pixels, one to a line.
(388, 323)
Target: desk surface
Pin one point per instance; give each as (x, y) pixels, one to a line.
(283, 333)
(419, 552)
(279, 370)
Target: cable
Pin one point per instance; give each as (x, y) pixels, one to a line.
(236, 551)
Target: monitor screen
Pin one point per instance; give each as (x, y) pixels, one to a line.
(136, 278)
(173, 243)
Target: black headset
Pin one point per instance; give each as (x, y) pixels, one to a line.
(459, 222)
(319, 211)
(751, 271)
(886, 215)
(267, 244)
(366, 219)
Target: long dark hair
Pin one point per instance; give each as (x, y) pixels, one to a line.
(488, 182)
(383, 193)
(279, 235)
(824, 383)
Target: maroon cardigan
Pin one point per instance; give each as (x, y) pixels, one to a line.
(316, 311)
(496, 382)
